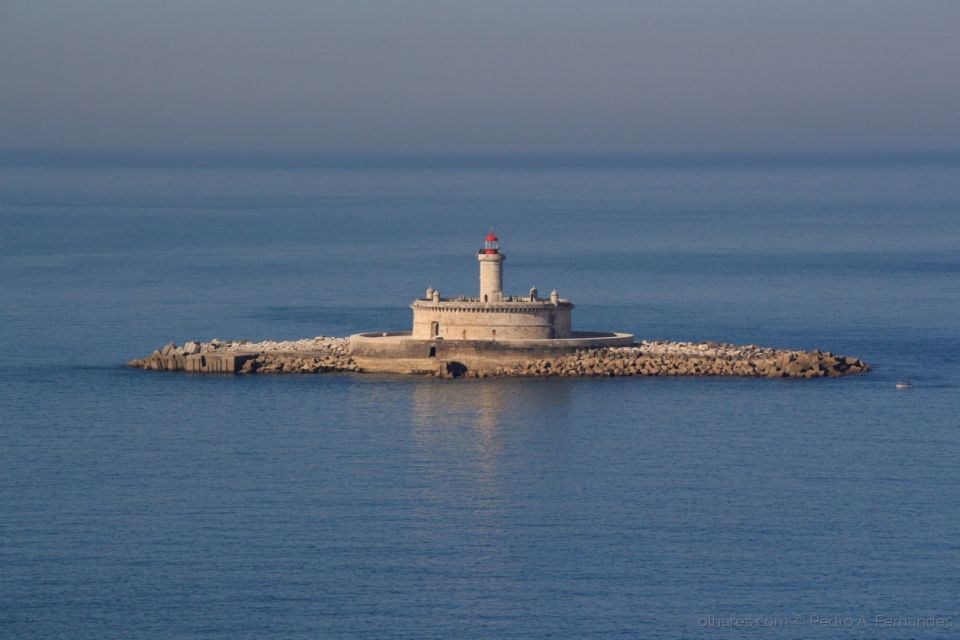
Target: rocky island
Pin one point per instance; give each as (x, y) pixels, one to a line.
(496, 335)
(331, 355)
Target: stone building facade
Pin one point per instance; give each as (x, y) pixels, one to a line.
(492, 315)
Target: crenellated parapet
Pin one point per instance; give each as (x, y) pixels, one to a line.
(461, 306)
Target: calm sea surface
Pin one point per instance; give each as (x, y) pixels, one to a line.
(138, 505)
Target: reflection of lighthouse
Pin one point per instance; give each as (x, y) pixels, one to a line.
(450, 421)
(491, 269)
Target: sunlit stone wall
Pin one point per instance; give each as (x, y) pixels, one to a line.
(468, 320)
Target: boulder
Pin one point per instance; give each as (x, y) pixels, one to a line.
(793, 369)
(806, 360)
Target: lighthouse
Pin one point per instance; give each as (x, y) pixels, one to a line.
(491, 269)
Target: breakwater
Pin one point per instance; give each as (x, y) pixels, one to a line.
(331, 354)
(691, 359)
(322, 354)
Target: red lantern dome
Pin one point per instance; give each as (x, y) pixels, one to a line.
(491, 244)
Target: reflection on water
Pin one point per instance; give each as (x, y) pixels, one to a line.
(473, 433)
(473, 414)
(464, 417)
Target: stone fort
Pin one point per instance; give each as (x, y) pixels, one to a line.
(492, 315)
(482, 332)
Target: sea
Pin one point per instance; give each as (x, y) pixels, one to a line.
(137, 504)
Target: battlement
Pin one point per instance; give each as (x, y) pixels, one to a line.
(507, 304)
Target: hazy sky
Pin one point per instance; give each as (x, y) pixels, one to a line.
(480, 75)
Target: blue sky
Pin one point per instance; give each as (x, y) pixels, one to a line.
(518, 75)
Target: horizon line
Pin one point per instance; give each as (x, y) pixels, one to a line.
(362, 158)
(662, 151)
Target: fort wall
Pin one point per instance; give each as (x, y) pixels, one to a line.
(400, 352)
(468, 320)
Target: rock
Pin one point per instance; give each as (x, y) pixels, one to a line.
(807, 360)
(793, 369)
(191, 347)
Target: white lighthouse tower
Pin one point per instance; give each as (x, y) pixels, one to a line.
(491, 269)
